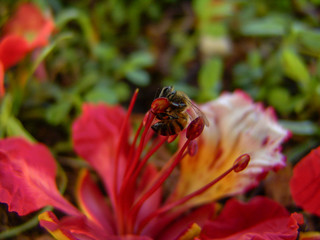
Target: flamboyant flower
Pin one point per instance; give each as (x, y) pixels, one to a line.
(135, 206)
(25, 31)
(305, 182)
(304, 186)
(237, 126)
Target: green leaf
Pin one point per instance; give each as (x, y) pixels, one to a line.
(102, 94)
(302, 128)
(15, 128)
(294, 67)
(310, 42)
(210, 79)
(141, 59)
(57, 113)
(122, 91)
(15, 231)
(280, 99)
(272, 25)
(5, 112)
(105, 52)
(300, 150)
(81, 17)
(139, 77)
(47, 50)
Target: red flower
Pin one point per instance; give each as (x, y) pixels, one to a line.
(136, 207)
(237, 126)
(25, 31)
(305, 182)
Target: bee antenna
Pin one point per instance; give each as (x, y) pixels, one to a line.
(157, 93)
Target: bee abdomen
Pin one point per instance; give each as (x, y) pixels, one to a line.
(168, 128)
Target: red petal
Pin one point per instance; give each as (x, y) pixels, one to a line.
(30, 23)
(191, 232)
(305, 182)
(93, 203)
(43, 35)
(49, 221)
(153, 203)
(27, 177)
(261, 218)
(96, 136)
(12, 49)
(73, 228)
(199, 216)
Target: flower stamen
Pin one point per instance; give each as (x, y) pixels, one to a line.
(240, 164)
(158, 183)
(121, 139)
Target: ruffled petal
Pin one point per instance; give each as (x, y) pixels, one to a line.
(237, 126)
(27, 178)
(93, 204)
(12, 49)
(31, 24)
(261, 218)
(305, 182)
(96, 136)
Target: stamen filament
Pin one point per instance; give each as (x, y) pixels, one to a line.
(117, 204)
(241, 161)
(121, 139)
(133, 146)
(137, 154)
(136, 207)
(148, 155)
(127, 189)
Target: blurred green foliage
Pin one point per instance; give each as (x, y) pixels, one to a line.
(103, 50)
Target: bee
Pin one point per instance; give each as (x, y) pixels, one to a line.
(176, 116)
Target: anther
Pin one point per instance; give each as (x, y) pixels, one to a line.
(159, 105)
(195, 128)
(241, 162)
(193, 148)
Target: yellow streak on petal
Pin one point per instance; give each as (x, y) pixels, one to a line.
(57, 234)
(237, 126)
(81, 204)
(192, 232)
(201, 169)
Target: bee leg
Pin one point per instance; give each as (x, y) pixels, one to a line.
(180, 105)
(163, 129)
(166, 116)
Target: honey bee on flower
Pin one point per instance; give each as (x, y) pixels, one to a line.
(172, 110)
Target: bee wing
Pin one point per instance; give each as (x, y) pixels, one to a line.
(198, 112)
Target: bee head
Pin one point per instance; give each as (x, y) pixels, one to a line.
(167, 91)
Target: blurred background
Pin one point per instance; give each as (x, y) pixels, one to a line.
(101, 51)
